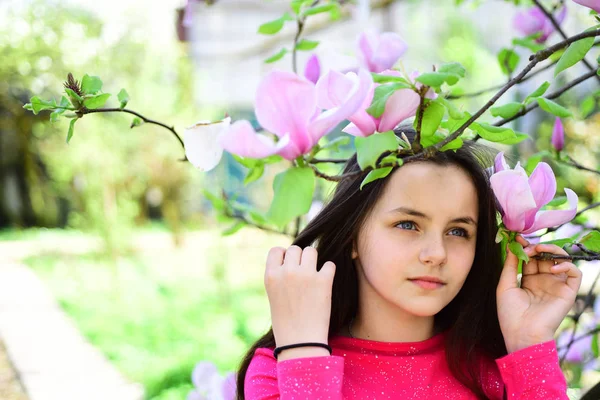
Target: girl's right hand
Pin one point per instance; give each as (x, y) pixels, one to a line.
(299, 296)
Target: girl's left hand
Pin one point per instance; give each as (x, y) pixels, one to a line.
(531, 314)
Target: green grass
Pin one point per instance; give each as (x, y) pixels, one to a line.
(155, 315)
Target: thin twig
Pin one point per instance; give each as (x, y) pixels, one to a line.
(146, 120)
(553, 95)
(575, 164)
(534, 60)
(561, 32)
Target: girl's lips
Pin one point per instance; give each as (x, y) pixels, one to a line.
(427, 284)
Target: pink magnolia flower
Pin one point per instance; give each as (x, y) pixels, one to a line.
(593, 4)
(558, 135)
(378, 52)
(201, 142)
(312, 70)
(289, 106)
(209, 385)
(533, 20)
(520, 198)
(401, 105)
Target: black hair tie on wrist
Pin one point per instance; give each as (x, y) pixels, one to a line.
(291, 346)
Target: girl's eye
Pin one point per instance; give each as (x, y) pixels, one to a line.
(461, 231)
(406, 225)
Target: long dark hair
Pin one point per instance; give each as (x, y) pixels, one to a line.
(470, 319)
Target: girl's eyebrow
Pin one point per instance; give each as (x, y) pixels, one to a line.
(410, 211)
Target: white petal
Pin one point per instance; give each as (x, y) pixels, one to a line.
(201, 143)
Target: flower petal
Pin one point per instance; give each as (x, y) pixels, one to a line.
(558, 135)
(203, 374)
(242, 139)
(229, 386)
(593, 4)
(391, 47)
(500, 163)
(543, 184)
(285, 103)
(328, 120)
(549, 218)
(514, 197)
(332, 89)
(312, 70)
(401, 105)
(201, 142)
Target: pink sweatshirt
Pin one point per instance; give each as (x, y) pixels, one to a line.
(365, 369)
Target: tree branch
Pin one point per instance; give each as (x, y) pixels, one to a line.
(146, 120)
(534, 60)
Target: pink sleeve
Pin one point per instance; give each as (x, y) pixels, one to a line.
(533, 373)
(301, 378)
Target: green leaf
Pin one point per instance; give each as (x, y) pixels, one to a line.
(272, 27)
(517, 249)
(529, 42)
(437, 79)
(258, 218)
(75, 99)
(136, 122)
(560, 242)
(91, 84)
(336, 143)
(537, 92)
(508, 60)
(587, 106)
(38, 105)
(233, 228)
(381, 96)
(553, 108)
(534, 160)
(591, 241)
(254, 173)
(217, 202)
(378, 78)
(595, 349)
(558, 201)
(493, 133)
(518, 138)
(427, 141)
(574, 53)
(123, 97)
(453, 111)
(297, 5)
(293, 195)
(95, 101)
(71, 129)
(453, 145)
(432, 117)
(370, 148)
(329, 7)
(306, 45)
(376, 174)
(277, 56)
(453, 68)
(507, 110)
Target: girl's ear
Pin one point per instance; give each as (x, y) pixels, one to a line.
(354, 252)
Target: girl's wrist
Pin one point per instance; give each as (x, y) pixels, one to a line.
(302, 352)
(522, 343)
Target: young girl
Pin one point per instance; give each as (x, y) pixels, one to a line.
(406, 286)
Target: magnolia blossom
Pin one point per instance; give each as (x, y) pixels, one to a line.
(533, 20)
(209, 385)
(312, 70)
(580, 349)
(593, 4)
(378, 52)
(401, 105)
(201, 142)
(290, 106)
(558, 135)
(520, 198)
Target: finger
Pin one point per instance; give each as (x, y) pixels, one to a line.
(531, 267)
(309, 258)
(292, 256)
(328, 269)
(508, 277)
(522, 240)
(574, 275)
(545, 266)
(275, 258)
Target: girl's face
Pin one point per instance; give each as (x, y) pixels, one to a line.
(423, 225)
